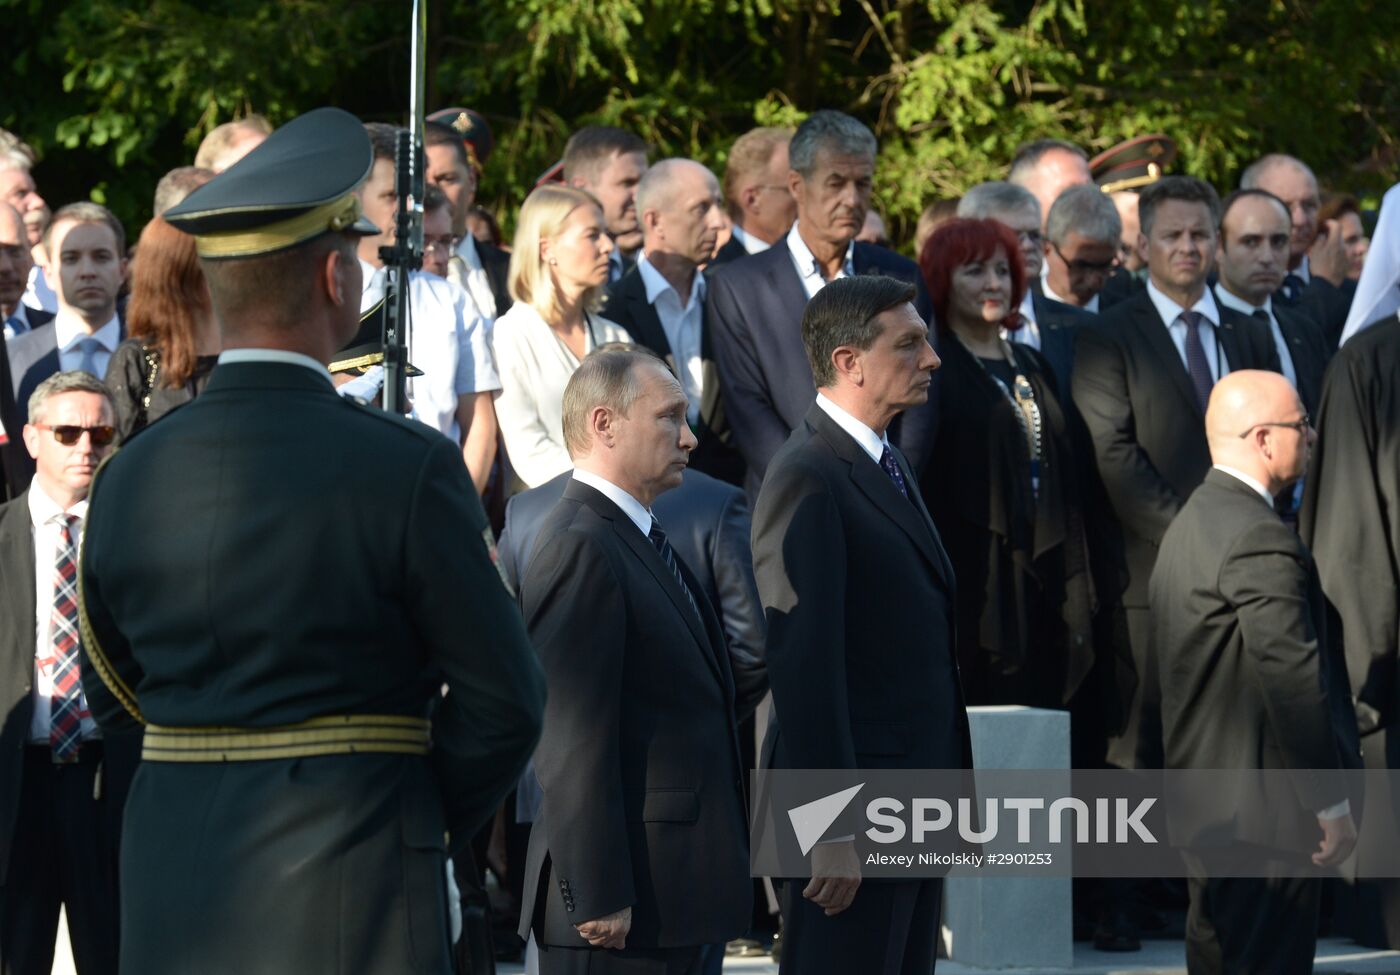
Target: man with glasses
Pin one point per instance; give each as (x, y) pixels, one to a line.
(1250, 681)
(756, 193)
(63, 784)
(1081, 247)
(447, 334)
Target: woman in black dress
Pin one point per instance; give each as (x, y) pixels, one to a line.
(173, 339)
(1001, 481)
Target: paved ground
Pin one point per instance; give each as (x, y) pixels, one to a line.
(1334, 957)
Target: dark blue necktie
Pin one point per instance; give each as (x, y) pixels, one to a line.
(1293, 285)
(1196, 363)
(668, 555)
(891, 467)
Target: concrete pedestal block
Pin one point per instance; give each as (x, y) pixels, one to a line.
(1012, 922)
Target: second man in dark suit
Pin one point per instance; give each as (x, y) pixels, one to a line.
(859, 597)
(1249, 682)
(755, 305)
(661, 299)
(639, 760)
(1142, 376)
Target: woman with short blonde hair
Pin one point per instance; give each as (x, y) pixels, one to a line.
(558, 270)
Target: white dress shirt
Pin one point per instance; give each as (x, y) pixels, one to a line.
(806, 264)
(1170, 313)
(471, 276)
(682, 326)
(871, 442)
(38, 294)
(447, 340)
(535, 367)
(1092, 305)
(42, 511)
(749, 242)
(636, 512)
(1236, 303)
(69, 333)
(1029, 332)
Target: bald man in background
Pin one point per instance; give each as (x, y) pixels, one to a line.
(1249, 681)
(1048, 167)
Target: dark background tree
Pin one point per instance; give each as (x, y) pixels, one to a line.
(112, 93)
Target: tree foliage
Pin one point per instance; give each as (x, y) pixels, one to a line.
(114, 92)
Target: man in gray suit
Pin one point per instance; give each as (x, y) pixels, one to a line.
(1248, 683)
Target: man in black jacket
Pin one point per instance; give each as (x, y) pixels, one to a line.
(1143, 373)
(639, 760)
(1249, 681)
(858, 593)
(755, 305)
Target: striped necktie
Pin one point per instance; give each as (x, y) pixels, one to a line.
(668, 555)
(66, 704)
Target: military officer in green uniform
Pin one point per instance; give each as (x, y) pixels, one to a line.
(277, 584)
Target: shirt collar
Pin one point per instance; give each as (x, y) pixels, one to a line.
(1170, 310)
(43, 509)
(235, 356)
(631, 507)
(748, 241)
(1302, 270)
(657, 285)
(807, 263)
(1092, 305)
(68, 331)
(1259, 488)
(1235, 303)
(872, 443)
(466, 250)
(1027, 308)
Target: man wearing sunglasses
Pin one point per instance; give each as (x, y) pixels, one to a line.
(62, 784)
(1081, 246)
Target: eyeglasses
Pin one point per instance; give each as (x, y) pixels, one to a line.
(68, 435)
(1300, 425)
(1078, 266)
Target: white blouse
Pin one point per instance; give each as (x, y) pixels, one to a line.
(535, 365)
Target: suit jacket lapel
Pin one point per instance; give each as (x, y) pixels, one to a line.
(1159, 340)
(1230, 343)
(17, 551)
(651, 558)
(650, 331)
(782, 277)
(877, 486)
(918, 499)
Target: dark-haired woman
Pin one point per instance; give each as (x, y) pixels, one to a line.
(1001, 481)
(173, 340)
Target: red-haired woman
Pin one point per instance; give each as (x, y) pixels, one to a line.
(1001, 481)
(173, 339)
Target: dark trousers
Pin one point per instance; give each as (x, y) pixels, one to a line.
(64, 854)
(1139, 745)
(628, 961)
(1252, 925)
(889, 929)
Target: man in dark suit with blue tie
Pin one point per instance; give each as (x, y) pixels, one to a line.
(1143, 373)
(639, 759)
(858, 594)
(755, 305)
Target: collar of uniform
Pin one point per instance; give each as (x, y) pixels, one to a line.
(69, 330)
(231, 357)
(807, 263)
(871, 442)
(1235, 303)
(1244, 478)
(466, 250)
(657, 285)
(635, 511)
(43, 509)
(1171, 311)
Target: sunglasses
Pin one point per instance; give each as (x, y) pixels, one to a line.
(68, 436)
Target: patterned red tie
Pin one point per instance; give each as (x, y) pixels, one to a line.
(66, 705)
